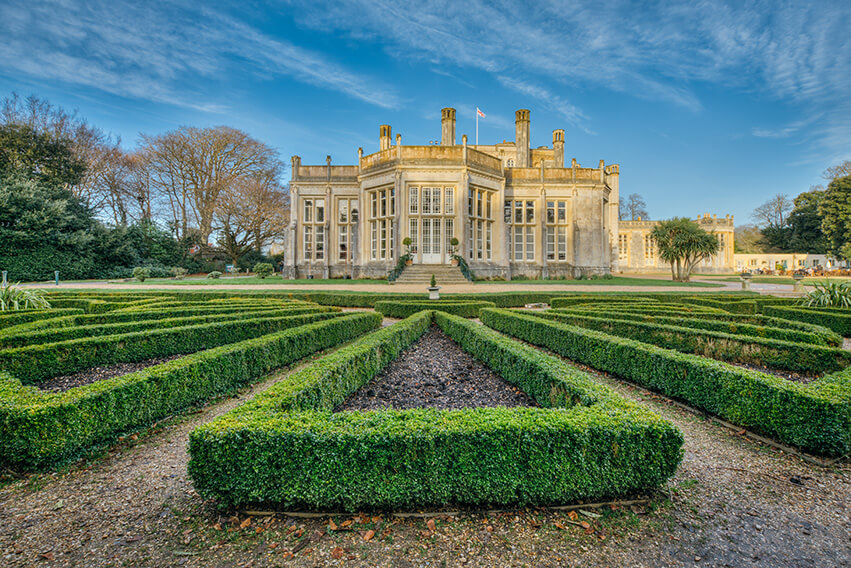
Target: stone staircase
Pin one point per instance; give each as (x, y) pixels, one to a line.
(445, 274)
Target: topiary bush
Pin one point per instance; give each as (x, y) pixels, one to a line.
(263, 269)
(141, 273)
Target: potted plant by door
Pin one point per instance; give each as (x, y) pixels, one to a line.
(454, 243)
(433, 289)
(407, 242)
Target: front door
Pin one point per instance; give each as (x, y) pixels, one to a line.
(431, 240)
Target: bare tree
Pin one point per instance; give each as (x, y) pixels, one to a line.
(841, 170)
(194, 166)
(87, 143)
(774, 212)
(633, 208)
(250, 214)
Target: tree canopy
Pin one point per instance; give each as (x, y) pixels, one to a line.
(683, 243)
(835, 211)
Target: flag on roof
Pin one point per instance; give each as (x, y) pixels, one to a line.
(479, 112)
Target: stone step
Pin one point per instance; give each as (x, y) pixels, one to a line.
(421, 274)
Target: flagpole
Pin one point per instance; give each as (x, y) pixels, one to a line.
(477, 126)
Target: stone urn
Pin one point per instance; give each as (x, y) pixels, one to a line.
(434, 292)
(746, 280)
(799, 282)
(409, 262)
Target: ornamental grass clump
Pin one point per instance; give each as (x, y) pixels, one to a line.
(829, 294)
(13, 297)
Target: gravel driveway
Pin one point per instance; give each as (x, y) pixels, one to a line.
(734, 502)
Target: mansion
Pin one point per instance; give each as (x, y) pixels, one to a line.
(515, 211)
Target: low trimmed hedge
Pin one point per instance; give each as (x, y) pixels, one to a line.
(772, 353)
(287, 447)
(759, 320)
(815, 417)
(61, 332)
(835, 320)
(403, 309)
(774, 329)
(9, 319)
(39, 429)
(36, 363)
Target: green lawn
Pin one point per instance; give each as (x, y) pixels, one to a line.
(781, 279)
(615, 281)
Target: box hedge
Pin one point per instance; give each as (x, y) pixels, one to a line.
(815, 416)
(405, 308)
(61, 332)
(9, 319)
(774, 328)
(836, 320)
(759, 320)
(287, 446)
(772, 353)
(40, 429)
(35, 363)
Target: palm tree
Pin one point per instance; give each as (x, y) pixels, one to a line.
(683, 243)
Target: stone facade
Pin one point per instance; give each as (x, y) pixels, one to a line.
(515, 210)
(637, 253)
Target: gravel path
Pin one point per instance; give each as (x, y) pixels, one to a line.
(95, 374)
(734, 502)
(435, 372)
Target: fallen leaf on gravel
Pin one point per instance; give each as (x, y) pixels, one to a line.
(589, 514)
(258, 530)
(560, 526)
(287, 555)
(585, 525)
(336, 553)
(59, 504)
(217, 527)
(368, 535)
(346, 523)
(246, 523)
(273, 545)
(46, 555)
(376, 519)
(572, 515)
(363, 519)
(132, 538)
(332, 525)
(430, 525)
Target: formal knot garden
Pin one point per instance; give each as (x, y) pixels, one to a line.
(394, 403)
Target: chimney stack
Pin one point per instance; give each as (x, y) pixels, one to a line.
(521, 137)
(558, 147)
(384, 137)
(447, 126)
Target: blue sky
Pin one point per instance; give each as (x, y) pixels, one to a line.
(708, 106)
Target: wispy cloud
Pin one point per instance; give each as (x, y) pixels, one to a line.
(793, 52)
(158, 51)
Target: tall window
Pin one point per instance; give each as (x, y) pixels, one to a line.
(479, 245)
(347, 211)
(313, 222)
(413, 200)
(649, 250)
(623, 248)
(522, 230)
(556, 231)
(382, 205)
